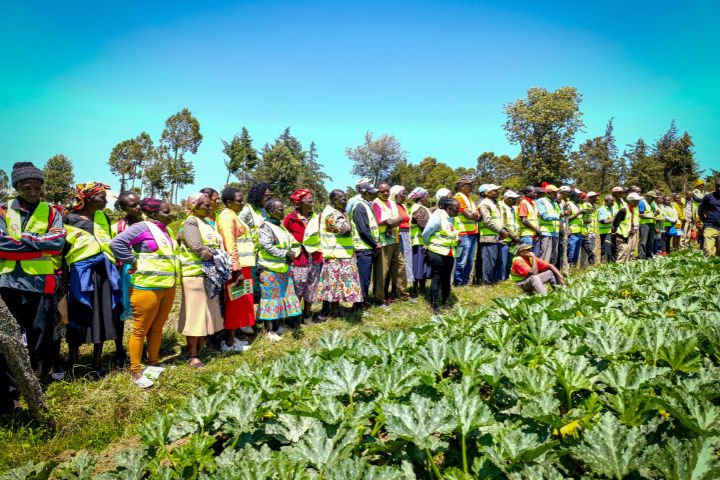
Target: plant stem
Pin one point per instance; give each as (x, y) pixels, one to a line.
(464, 454)
(433, 467)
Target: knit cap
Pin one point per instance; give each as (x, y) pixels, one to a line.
(25, 171)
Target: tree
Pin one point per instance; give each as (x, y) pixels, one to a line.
(155, 173)
(5, 186)
(242, 158)
(544, 126)
(643, 169)
(376, 159)
(122, 161)
(181, 135)
(59, 179)
(280, 169)
(502, 170)
(145, 155)
(677, 158)
(596, 165)
(429, 174)
(311, 175)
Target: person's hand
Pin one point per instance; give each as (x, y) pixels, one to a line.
(515, 239)
(561, 280)
(133, 268)
(56, 230)
(290, 257)
(503, 234)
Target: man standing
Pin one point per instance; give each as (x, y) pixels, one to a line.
(605, 216)
(512, 225)
(528, 216)
(573, 214)
(549, 221)
(492, 235)
(589, 228)
(467, 222)
(625, 228)
(390, 260)
(648, 213)
(709, 213)
(366, 235)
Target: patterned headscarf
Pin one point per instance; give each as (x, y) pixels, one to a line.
(418, 192)
(193, 200)
(298, 195)
(150, 205)
(83, 191)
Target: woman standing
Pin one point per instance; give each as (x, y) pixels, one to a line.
(302, 223)
(199, 311)
(253, 215)
(441, 238)
(419, 216)
(278, 249)
(215, 207)
(339, 279)
(94, 291)
(398, 194)
(151, 249)
(239, 308)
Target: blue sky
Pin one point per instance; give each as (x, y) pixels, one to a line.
(79, 77)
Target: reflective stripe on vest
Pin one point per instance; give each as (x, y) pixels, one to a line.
(549, 226)
(495, 215)
(415, 231)
(358, 242)
(466, 225)
(511, 221)
(311, 237)
(444, 240)
(158, 269)
(103, 233)
(649, 209)
(83, 245)
(576, 223)
(532, 217)
(283, 240)
(247, 253)
(631, 219)
(334, 245)
(38, 223)
(190, 263)
(387, 212)
(589, 219)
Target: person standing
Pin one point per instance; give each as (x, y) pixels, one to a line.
(670, 217)
(618, 203)
(151, 249)
(31, 241)
(389, 261)
(339, 280)
(507, 206)
(253, 215)
(605, 216)
(366, 236)
(709, 214)
(442, 238)
(647, 225)
(420, 214)
(200, 314)
(238, 292)
(549, 223)
(303, 224)
(398, 194)
(467, 222)
(573, 215)
(528, 216)
(492, 235)
(589, 228)
(690, 214)
(278, 250)
(532, 274)
(625, 228)
(676, 203)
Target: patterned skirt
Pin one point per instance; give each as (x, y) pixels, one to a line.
(339, 281)
(306, 281)
(277, 296)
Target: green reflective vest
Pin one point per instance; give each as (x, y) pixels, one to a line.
(495, 216)
(38, 223)
(466, 225)
(549, 226)
(244, 243)
(158, 269)
(604, 228)
(190, 263)
(576, 223)
(650, 212)
(83, 245)
(415, 231)
(512, 224)
(334, 245)
(446, 239)
(532, 218)
(386, 212)
(311, 237)
(283, 240)
(358, 242)
(632, 220)
(103, 233)
(589, 219)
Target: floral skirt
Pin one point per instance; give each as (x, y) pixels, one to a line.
(277, 296)
(339, 281)
(306, 280)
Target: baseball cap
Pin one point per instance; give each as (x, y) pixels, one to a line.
(592, 194)
(488, 187)
(510, 194)
(367, 187)
(551, 188)
(617, 189)
(565, 188)
(634, 197)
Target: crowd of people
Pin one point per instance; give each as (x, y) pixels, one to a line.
(242, 259)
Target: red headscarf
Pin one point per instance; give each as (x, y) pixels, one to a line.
(84, 191)
(298, 195)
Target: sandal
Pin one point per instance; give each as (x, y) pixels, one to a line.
(142, 381)
(195, 362)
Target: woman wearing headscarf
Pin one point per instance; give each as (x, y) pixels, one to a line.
(339, 279)
(151, 249)
(94, 290)
(419, 216)
(237, 239)
(398, 194)
(215, 205)
(302, 223)
(442, 238)
(200, 310)
(253, 215)
(278, 250)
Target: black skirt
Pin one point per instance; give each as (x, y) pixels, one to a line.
(97, 323)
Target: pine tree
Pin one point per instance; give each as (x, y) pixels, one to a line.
(181, 135)
(241, 160)
(312, 176)
(59, 179)
(676, 157)
(280, 169)
(643, 169)
(596, 165)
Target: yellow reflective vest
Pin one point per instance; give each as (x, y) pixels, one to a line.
(466, 226)
(632, 220)
(161, 268)
(446, 239)
(358, 242)
(190, 263)
(334, 245)
(415, 232)
(386, 212)
(38, 223)
(532, 217)
(284, 241)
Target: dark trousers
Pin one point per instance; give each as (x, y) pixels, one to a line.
(492, 265)
(441, 267)
(606, 247)
(647, 239)
(561, 252)
(365, 266)
(588, 246)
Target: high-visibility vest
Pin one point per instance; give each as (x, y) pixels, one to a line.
(358, 242)
(604, 228)
(83, 245)
(311, 237)
(190, 263)
(38, 223)
(668, 212)
(257, 216)
(334, 245)
(576, 223)
(103, 233)
(444, 240)
(161, 268)
(532, 217)
(517, 261)
(466, 225)
(495, 215)
(649, 209)
(512, 225)
(283, 240)
(244, 243)
(589, 218)
(386, 212)
(632, 219)
(618, 204)
(549, 226)
(415, 231)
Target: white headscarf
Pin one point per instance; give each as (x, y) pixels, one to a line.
(394, 191)
(443, 192)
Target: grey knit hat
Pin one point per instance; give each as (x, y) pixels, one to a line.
(25, 171)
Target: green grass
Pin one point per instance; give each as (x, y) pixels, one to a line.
(103, 416)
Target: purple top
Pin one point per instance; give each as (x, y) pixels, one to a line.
(136, 238)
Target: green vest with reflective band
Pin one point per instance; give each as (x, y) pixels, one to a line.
(519, 278)
(415, 231)
(311, 237)
(283, 240)
(445, 240)
(358, 242)
(334, 245)
(466, 225)
(549, 226)
(576, 224)
(103, 233)
(495, 215)
(589, 218)
(631, 220)
(244, 243)
(667, 211)
(604, 228)
(532, 217)
(38, 224)
(510, 219)
(83, 245)
(190, 263)
(387, 212)
(158, 269)
(650, 209)
(618, 204)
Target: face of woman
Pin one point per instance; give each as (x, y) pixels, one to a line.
(340, 202)
(238, 202)
(307, 204)
(98, 201)
(202, 208)
(266, 196)
(164, 215)
(383, 191)
(277, 211)
(131, 206)
(401, 197)
(215, 201)
(453, 209)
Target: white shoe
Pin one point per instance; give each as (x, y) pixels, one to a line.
(225, 348)
(241, 348)
(274, 337)
(153, 372)
(241, 343)
(58, 375)
(247, 330)
(142, 382)
(281, 330)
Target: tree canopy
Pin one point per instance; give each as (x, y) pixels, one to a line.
(59, 179)
(376, 158)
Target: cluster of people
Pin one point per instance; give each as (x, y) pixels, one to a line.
(243, 258)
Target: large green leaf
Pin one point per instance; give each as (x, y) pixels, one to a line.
(691, 459)
(343, 378)
(418, 421)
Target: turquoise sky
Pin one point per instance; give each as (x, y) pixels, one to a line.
(79, 77)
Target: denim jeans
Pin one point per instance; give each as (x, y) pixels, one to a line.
(365, 264)
(574, 243)
(505, 261)
(464, 263)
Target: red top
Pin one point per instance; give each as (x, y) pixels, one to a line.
(296, 226)
(405, 224)
(521, 268)
(522, 207)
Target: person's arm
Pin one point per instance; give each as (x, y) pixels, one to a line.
(432, 226)
(604, 217)
(342, 225)
(465, 209)
(488, 219)
(266, 238)
(122, 245)
(193, 239)
(619, 217)
(389, 221)
(226, 229)
(33, 245)
(523, 216)
(569, 214)
(362, 224)
(545, 266)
